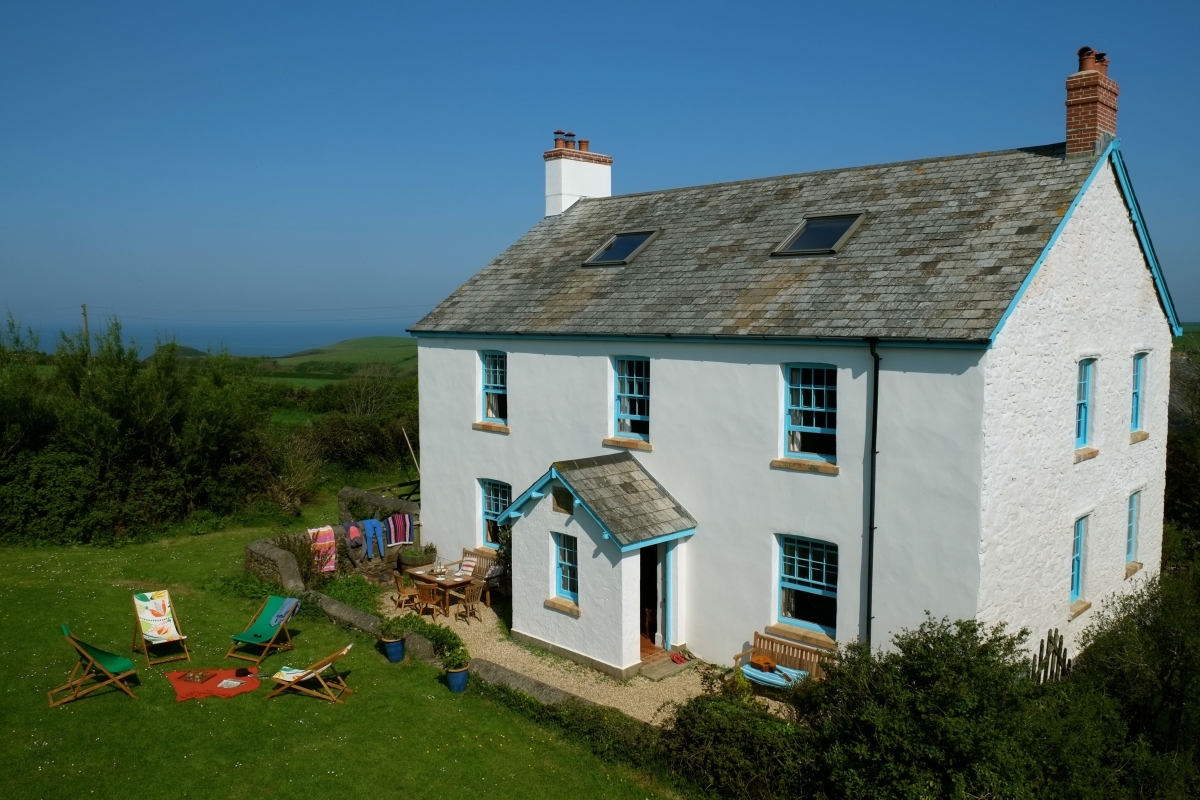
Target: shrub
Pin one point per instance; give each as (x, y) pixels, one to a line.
(300, 545)
(457, 658)
(355, 591)
(443, 639)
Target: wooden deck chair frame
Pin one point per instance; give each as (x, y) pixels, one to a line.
(332, 687)
(87, 668)
(140, 643)
(266, 646)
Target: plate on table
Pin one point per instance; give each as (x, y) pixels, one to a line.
(458, 574)
(441, 579)
(420, 572)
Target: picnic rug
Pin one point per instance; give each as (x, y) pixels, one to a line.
(189, 690)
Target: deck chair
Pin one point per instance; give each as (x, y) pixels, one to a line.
(263, 631)
(155, 623)
(329, 687)
(96, 665)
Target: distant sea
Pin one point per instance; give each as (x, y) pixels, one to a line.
(239, 338)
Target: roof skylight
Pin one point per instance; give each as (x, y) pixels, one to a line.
(621, 248)
(819, 234)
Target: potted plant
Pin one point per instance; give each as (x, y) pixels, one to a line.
(456, 663)
(391, 636)
(417, 555)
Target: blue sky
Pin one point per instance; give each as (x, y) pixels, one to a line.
(342, 167)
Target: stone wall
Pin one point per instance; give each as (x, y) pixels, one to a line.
(273, 564)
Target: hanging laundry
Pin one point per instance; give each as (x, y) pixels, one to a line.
(404, 528)
(324, 548)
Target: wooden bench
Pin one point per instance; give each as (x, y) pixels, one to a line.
(792, 655)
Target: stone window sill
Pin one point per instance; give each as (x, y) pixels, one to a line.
(1132, 568)
(801, 635)
(628, 444)
(1085, 453)
(490, 427)
(1077, 608)
(1138, 436)
(805, 465)
(564, 605)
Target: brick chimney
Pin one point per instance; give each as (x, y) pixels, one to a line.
(573, 172)
(1091, 105)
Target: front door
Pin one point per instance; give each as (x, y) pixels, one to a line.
(648, 609)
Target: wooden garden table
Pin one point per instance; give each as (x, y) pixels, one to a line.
(449, 582)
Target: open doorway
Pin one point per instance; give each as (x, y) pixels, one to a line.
(648, 608)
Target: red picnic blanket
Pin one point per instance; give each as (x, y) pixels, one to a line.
(211, 687)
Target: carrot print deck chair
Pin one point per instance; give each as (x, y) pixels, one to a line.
(329, 687)
(155, 623)
(263, 631)
(99, 666)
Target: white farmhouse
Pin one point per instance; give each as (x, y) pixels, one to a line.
(818, 404)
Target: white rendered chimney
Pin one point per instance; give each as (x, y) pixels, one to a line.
(573, 173)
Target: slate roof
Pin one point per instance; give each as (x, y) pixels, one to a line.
(943, 249)
(627, 500)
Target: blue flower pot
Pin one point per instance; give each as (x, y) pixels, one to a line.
(457, 678)
(394, 650)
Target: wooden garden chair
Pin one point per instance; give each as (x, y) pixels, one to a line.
(468, 601)
(99, 666)
(429, 598)
(265, 628)
(155, 623)
(482, 565)
(329, 687)
(406, 596)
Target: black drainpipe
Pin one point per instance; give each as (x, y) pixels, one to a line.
(871, 501)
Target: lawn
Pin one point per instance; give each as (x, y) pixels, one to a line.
(401, 734)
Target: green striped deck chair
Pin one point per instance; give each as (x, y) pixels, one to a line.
(264, 630)
(155, 623)
(100, 667)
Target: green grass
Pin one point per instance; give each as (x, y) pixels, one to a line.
(401, 734)
(400, 351)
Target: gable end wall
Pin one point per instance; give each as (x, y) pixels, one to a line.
(1093, 297)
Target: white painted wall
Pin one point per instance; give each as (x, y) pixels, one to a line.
(607, 628)
(928, 489)
(569, 180)
(716, 424)
(1093, 297)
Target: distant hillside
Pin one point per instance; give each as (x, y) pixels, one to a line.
(398, 350)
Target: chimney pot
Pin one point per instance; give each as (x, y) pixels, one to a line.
(570, 144)
(1087, 59)
(583, 145)
(559, 143)
(1091, 106)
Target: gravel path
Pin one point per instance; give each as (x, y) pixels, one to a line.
(640, 698)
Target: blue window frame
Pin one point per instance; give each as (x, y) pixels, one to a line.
(632, 398)
(808, 571)
(1139, 376)
(496, 497)
(1131, 526)
(495, 387)
(567, 569)
(1077, 558)
(810, 423)
(1083, 401)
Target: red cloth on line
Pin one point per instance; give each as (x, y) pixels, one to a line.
(186, 690)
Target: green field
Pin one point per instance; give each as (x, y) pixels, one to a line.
(399, 351)
(401, 734)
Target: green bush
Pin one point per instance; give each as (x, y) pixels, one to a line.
(355, 591)
(443, 639)
(458, 658)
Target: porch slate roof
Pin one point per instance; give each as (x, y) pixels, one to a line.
(942, 251)
(627, 500)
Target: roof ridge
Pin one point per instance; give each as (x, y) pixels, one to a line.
(1047, 148)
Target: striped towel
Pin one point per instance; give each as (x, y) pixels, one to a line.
(404, 528)
(324, 548)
